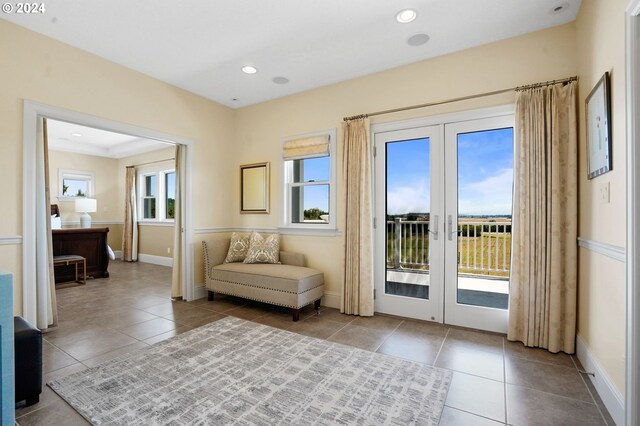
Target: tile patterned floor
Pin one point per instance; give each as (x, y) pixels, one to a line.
(494, 381)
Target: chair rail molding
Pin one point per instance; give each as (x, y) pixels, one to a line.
(11, 240)
(614, 252)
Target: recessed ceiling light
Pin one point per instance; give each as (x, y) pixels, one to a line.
(418, 40)
(248, 69)
(406, 15)
(76, 134)
(559, 8)
(280, 80)
(234, 99)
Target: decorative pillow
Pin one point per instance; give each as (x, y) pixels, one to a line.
(263, 250)
(238, 248)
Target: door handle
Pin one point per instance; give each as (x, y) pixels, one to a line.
(435, 227)
(451, 231)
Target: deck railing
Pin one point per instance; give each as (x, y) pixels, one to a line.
(484, 247)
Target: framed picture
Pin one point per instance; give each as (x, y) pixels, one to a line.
(598, 112)
(254, 188)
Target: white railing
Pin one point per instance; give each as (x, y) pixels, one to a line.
(484, 247)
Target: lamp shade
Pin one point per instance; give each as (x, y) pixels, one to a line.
(86, 205)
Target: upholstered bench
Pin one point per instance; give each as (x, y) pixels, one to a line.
(289, 284)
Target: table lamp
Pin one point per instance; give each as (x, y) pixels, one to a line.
(86, 206)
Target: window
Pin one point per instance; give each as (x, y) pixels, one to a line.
(309, 173)
(157, 189)
(73, 184)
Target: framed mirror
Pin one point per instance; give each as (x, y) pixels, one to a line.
(254, 188)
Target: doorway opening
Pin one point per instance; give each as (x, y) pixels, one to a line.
(32, 112)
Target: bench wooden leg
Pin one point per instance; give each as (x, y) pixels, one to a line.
(296, 314)
(210, 296)
(316, 305)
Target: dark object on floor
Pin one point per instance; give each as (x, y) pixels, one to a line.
(28, 361)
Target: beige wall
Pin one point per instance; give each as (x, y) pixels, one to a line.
(601, 316)
(155, 240)
(105, 185)
(47, 71)
(530, 58)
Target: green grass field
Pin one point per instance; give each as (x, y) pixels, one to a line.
(476, 255)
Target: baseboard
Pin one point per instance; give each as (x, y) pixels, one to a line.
(200, 292)
(331, 299)
(156, 260)
(604, 386)
(117, 254)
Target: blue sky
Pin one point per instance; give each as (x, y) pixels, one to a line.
(485, 174)
(316, 169)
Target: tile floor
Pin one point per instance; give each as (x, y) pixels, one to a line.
(494, 381)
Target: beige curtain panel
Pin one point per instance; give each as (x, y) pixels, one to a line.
(46, 306)
(177, 272)
(357, 298)
(316, 146)
(130, 229)
(542, 299)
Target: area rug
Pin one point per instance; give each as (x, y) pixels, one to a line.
(234, 371)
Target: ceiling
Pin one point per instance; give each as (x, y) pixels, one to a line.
(201, 45)
(69, 137)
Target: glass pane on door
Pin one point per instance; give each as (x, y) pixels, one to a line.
(408, 203)
(485, 188)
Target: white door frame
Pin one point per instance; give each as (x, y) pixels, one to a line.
(632, 385)
(432, 308)
(434, 120)
(31, 112)
(484, 318)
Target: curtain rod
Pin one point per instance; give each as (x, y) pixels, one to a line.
(463, 98)
(150, 162)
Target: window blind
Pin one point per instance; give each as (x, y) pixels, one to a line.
(312, 147)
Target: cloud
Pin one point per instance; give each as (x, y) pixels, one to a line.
(492, 195)
(409, 199)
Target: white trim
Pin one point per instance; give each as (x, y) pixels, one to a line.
(12, 240)
(632, 353)
(332, 225)
(155, 260)
(200, 291)
(611, 397)
(614, 252)
(320, 232)
(332, 299)
(93, 222)
(87, 176)
(117, 254)
(164, 223)
(221, 229)
(283, 231)
(31, 111)
(447, 118)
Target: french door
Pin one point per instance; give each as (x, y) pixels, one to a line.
(443, 222)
